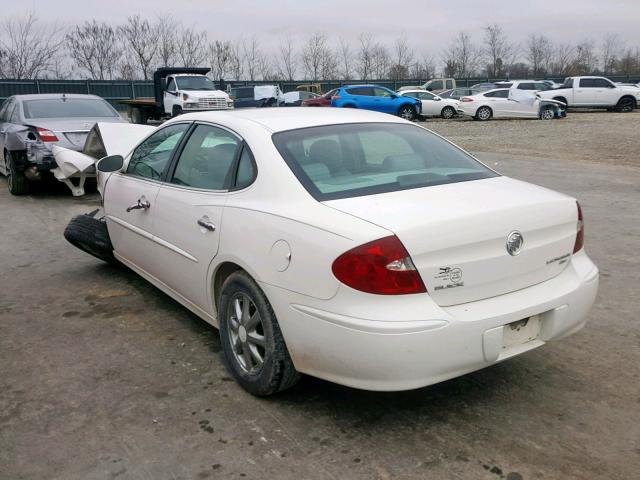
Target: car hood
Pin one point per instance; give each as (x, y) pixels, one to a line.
(205, 93)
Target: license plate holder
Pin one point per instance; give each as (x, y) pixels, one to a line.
(520, 332)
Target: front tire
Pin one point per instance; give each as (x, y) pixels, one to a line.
(484, 113)
(447, 113)
(90, 235)
(547, 113)
(251, 339)
(176, 111)
(16, 181)
(407, 112)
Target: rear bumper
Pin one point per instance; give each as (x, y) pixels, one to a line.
(367, 345)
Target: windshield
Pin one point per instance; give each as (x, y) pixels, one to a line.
(350, 160)
(194, 83)
(68, 107)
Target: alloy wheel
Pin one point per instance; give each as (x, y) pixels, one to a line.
(246, 333)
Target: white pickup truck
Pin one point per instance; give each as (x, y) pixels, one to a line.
(598, 92)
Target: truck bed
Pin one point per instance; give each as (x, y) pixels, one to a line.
(140, 102)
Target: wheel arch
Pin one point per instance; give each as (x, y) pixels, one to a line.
(561, 99)
(630, 97)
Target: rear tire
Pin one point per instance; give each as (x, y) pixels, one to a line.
(264, 369)
(90, 235)
(138, 116)
(407, 112)
(484, 113)
(16, 181)
(448, 112)
(626, 105)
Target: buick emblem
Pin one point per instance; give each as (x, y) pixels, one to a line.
(515, 240)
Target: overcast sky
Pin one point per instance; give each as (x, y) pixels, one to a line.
(427, 24)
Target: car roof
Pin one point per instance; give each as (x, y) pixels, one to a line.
(55, 96)
(364, 85)
(290, 118)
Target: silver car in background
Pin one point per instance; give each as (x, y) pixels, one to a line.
(30, 125)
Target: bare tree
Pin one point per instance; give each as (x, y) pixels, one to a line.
(629, 62)
(94, 47)
(584, 59)
(611, 48)
(167, 37)
(561, 62)
(141, 40)
(461, 58)
(315, 57)
(402, 59)
(252, 55)
(380, 61)
(424, 68)
(27, 48)
(288, 63)
(191, 47)
(236, 60)
(345, 58)
(499, 50)
(219, 58)
(365, 56)
(538, 53)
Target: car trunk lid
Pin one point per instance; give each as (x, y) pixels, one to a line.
(457, 234)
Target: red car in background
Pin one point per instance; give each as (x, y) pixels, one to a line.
(323, 101)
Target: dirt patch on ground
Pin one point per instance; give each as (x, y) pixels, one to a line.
(595, 136)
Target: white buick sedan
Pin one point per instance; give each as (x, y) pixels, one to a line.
(349, 245)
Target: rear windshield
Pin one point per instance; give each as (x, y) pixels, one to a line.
(342, 161)
(68, 107)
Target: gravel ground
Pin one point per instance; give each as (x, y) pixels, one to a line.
(595, 136)
(105, 377)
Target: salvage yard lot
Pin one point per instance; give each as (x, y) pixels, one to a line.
(103, 376)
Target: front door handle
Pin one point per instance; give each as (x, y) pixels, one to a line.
(204, 222)
(143, 204)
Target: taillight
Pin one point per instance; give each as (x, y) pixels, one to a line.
(580, 231)
(466, 99)
(383, 267)
(46, 135)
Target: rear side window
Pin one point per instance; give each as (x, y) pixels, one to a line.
(366, 91)
(342, 161)
(587, 83)
(207, 159)
(602, 83)
(151, 157)
(526, 86)
(436, 85)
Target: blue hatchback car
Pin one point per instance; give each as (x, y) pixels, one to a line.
(375, 97)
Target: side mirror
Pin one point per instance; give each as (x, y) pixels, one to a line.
(437, 99)
(109, 164)
(393, 95)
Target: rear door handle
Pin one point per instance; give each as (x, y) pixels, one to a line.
(143, 204)
(204, 222)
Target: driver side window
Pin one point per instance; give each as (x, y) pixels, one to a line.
(171, 86)
(152, 156)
